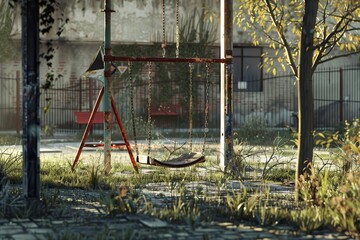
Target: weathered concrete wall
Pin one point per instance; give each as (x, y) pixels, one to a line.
(139, 21)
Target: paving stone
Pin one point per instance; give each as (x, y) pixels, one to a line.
(41, 231)
(153, 223)
(57, 222)
(10, 230)
(20, 220)
(165, 235)
(224, 224)
(266, 235)
(338, 236)
(242, 226)
(46, 237)
(120, 226)
(245, 230)
(258, 229)
(29, 225)
(249, 235)
(207, 230)
(3, 221)
(182, 234)
(228, 236)
(231, 227)
(24, 236)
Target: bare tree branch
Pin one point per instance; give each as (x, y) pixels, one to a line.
(339, 56)
(284, 41)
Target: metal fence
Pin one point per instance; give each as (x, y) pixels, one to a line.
(336, 99)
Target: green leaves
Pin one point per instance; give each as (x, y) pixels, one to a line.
(277, 25)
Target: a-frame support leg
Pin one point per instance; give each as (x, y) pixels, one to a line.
(88, 127)
(123, 133)
(89, 124)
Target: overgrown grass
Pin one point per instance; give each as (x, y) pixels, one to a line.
(330, 194)
(9, 139)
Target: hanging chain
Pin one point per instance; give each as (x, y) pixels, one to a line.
(191, 69)
(163, 45)
(131, 85)
(149, 107)
(177, 30)
(206, 124)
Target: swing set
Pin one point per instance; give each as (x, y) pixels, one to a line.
(185, 160)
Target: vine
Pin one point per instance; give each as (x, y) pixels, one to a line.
(48, 9)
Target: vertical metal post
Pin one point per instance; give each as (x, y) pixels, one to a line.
(18, 102)
(226, 84)
(341, 89)
(107, 89)
(31, 96)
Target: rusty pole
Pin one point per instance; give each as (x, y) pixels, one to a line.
(226, 84)
(107, 89)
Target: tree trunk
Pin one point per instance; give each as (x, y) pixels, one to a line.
(305, 90)
(31, 96)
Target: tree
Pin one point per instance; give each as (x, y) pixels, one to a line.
(31, 97)
(37, 17)
(303, 34)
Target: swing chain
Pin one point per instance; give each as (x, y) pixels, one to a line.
(206, 124)
(191, 69)
(163, 45)
(131, 85)
(149, 107)
(177, 30)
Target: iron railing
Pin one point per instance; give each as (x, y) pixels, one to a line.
(336, 99)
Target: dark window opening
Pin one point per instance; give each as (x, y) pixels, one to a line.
(247, 72)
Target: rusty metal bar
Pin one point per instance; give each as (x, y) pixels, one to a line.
(87, 129)
(226, 84)
(158, 59)
(107, 88)
(123, 133)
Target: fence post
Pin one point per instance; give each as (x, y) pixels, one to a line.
(18, 110)
(341, 89)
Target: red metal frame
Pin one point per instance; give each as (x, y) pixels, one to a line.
(164, 59)
(89, 124)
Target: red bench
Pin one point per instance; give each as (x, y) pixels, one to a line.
(165, 110)
(165, 115)
(83, 117)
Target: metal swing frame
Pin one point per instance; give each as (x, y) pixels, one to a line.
(89, 124)
(226, 128)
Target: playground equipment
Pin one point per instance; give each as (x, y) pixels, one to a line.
(186, 159)
(109, 104)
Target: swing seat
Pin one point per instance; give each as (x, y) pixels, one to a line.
(185, 160)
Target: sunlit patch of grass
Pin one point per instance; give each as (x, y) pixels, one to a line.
(329, 195)
(10, 139)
